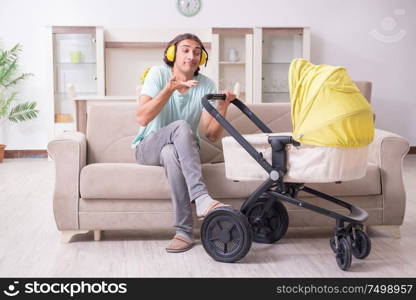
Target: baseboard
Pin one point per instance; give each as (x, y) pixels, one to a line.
(25, 154)
(412, 150)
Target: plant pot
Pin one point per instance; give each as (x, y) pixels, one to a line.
(2, 147)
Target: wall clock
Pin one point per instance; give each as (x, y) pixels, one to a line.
(189, 8)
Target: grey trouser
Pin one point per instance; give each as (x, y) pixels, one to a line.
(174, 147)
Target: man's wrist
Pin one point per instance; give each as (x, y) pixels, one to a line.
(222, 106)
(222, 110)
(169, 88)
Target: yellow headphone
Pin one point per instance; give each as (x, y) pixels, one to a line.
(170, 55)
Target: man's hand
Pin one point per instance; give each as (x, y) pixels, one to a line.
(223, 104)
(175, 84)
(212, 129)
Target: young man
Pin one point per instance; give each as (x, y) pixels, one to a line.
(169, 112)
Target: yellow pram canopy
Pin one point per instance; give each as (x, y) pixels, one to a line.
(327, 107)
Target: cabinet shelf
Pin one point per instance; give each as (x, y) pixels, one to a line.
(279, 92)
(232, 63)
(63, 123)
(274, 50)
(277, 63)
(241, 93)
(69, 63)
(78, 93)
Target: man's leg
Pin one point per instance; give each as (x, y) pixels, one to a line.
(169, 159)
(181, 136)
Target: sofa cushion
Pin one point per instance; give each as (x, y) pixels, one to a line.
(134, 181)
(110, 130)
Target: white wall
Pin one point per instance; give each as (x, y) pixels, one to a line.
(342, 34)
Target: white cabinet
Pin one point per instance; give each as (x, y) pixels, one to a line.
(258, 59)
(274, 49)
(232, 60)
(77, 55)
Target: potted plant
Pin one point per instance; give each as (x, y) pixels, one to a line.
(9, 79)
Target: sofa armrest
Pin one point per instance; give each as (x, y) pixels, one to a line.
(69, 152)
(387, 151)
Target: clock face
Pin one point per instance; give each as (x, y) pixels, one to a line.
(189, 8)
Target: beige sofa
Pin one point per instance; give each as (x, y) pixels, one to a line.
(100, 187)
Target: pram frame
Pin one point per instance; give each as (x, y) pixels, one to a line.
(283, 190)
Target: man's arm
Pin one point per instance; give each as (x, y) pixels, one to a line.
(212, 129)
(148, 110)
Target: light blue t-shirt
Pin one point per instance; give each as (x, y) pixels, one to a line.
(186, 106)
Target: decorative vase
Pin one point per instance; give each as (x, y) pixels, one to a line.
(236, 90)
(75, 57)
(232, 55)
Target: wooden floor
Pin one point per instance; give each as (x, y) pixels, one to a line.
(30, 243)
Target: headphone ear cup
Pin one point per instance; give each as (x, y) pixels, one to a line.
(170, 53)
(203, 58)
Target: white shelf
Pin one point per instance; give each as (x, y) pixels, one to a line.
(273, 51)
(82, 77)
(232, 63)
(241, 93)
(282, 92)
(232, 54)
(80, 63)
(277, 63)
(78, 94)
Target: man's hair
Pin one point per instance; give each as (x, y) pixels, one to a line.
(176, 40)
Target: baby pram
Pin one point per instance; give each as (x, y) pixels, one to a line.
(332, 127)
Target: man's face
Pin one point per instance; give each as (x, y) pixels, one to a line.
(188, 56)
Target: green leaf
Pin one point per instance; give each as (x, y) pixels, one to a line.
(7, 71)
(16, 80)
(23, 112)
(5, 104)
(8, 67)
(3, 57)
(14, 52)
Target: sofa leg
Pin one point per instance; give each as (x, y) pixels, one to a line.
(67, 235)
(390, 230)
(97, 235)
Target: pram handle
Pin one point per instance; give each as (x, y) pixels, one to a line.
(258, 156)
(241, 106)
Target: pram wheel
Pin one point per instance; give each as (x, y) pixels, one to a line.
(268, 219)
(226, 234)
(332, 244)
(361, 244)
(343, 254)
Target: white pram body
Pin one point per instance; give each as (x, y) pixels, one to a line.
(305, 163)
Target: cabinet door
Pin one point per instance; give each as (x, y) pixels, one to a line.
(77, 69)
(274, 49)
(232, 53)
